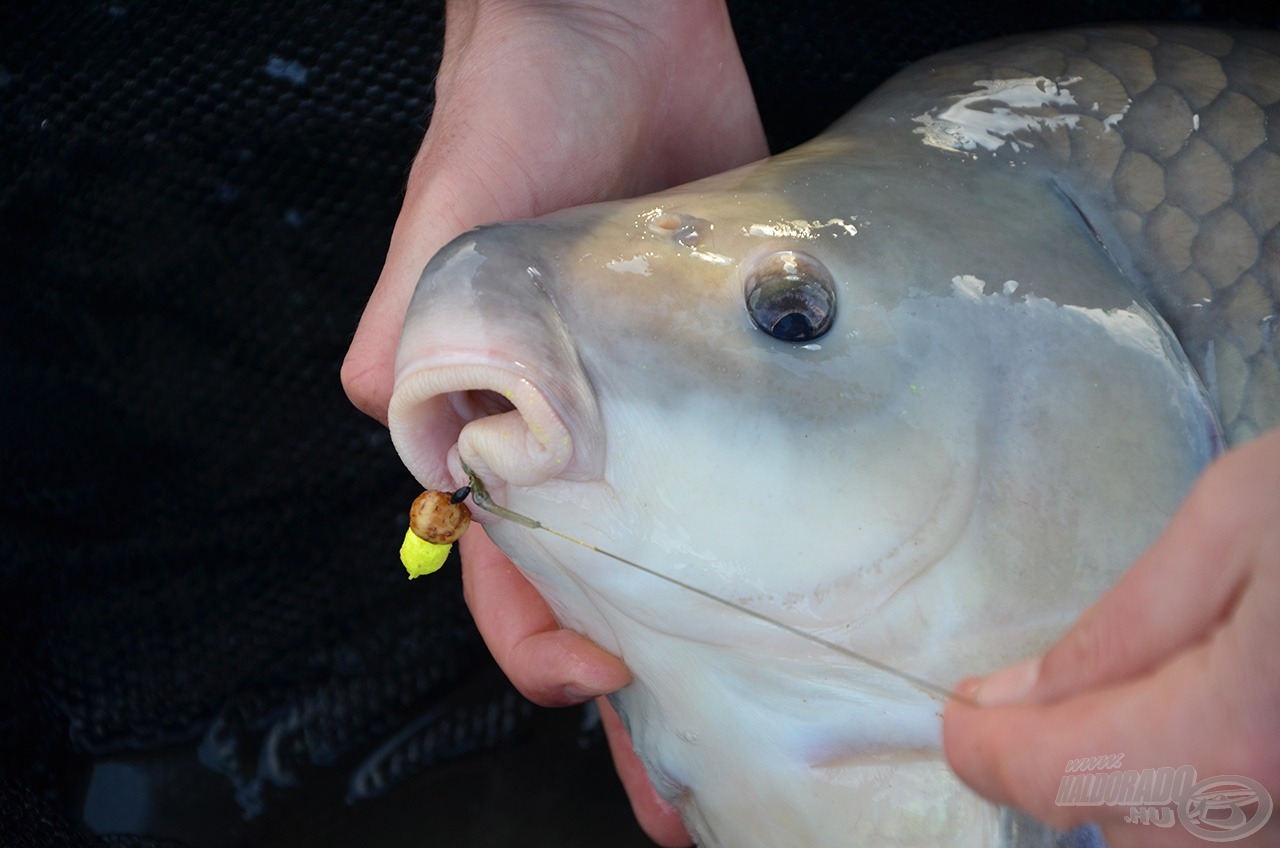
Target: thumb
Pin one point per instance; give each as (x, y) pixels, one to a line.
(1025, 755)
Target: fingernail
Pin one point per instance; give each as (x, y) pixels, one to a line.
(967, 687)
(1006, 686)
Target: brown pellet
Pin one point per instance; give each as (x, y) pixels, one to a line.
(435, 518)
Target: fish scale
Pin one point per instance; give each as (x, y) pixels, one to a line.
(1182, 189)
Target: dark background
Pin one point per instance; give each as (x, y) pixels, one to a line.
(205, 636)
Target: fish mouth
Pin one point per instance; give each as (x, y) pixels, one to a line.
(489, 375)
(495, 419)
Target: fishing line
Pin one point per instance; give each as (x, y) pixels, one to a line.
(480, 495)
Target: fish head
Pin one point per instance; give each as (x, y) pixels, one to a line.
(706, 381)
(798, 401)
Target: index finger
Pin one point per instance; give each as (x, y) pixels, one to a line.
(550, 665)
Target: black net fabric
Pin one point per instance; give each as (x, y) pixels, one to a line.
(206, 637)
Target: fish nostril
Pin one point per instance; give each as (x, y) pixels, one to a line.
(667, 222)
(684, 229)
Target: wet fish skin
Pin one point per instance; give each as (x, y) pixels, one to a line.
(1004, 414)
(1174, 160)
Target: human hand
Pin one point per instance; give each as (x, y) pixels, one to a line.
(541, 106)
(1178, 664)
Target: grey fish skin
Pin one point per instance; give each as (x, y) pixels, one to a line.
(1172, 156)
(1015, 394)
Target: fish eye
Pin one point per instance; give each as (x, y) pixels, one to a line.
(791, 296)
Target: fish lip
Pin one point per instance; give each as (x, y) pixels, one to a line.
(487, 370)
(495, 417)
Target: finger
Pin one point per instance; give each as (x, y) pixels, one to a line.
(1182, 588)
(659, 819)
(1184, 714)
(433, 213)
(428, 219)
(464, 176)
(368, 370)
(495, 151)
(550, 665)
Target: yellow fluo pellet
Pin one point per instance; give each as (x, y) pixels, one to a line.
(420, 556)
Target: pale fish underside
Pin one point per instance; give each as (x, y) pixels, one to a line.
(1051, 268)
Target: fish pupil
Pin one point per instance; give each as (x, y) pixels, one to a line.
(794, 326)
